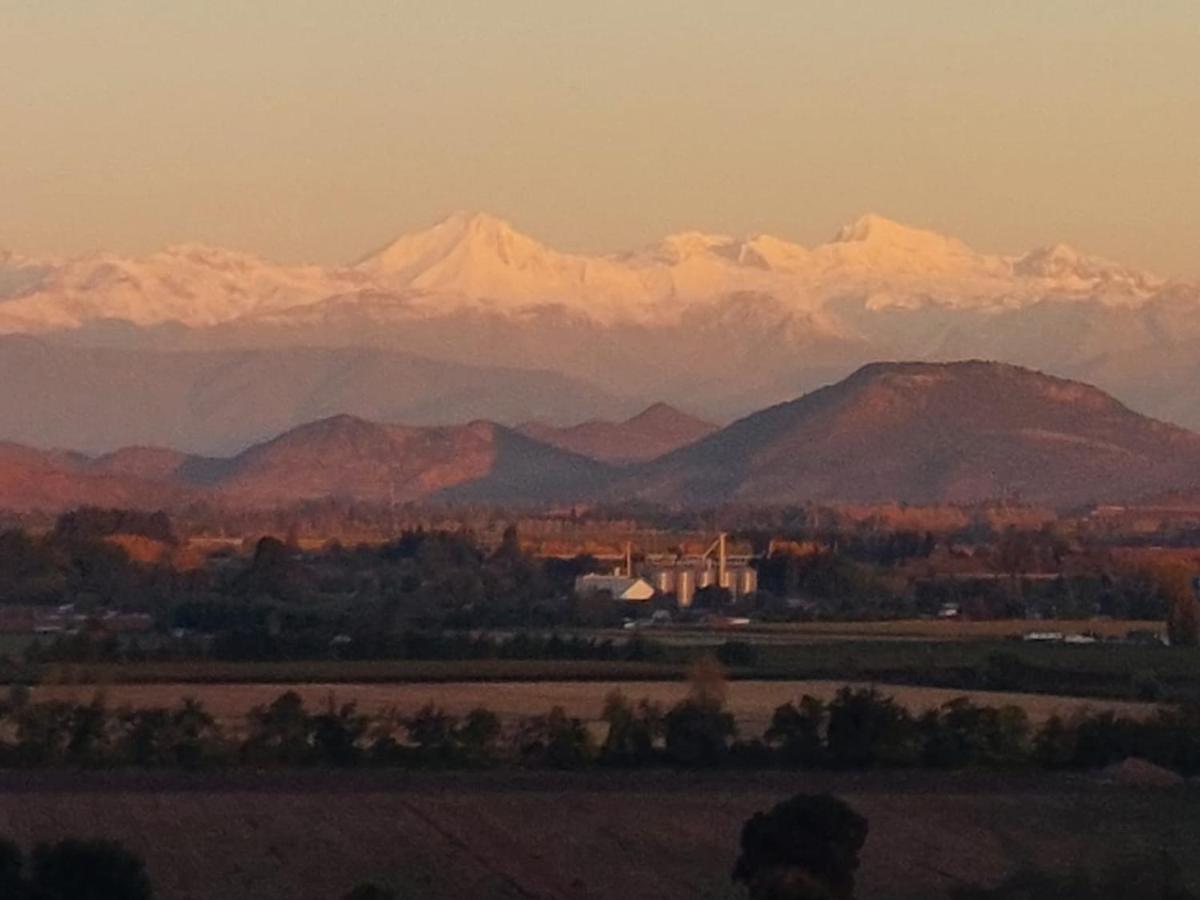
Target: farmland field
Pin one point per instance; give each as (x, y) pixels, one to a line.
(751, 702)
(912, 629)
(492, 836)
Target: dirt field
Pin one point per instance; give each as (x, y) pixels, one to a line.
(752, 702)
(657, 836)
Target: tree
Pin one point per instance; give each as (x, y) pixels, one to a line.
(961, 733)
(555, 740)
(89, 870)
(280, 732)
(337, 733)
(805, 848)
(13, 885)
(633, 732)
(478, 737)
(868, 729)
(1183, 610)
(795, 732)
(700, 729)
(431, 732)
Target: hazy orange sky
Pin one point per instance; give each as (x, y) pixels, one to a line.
(318, 130)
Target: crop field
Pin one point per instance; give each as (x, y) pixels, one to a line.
(962, 629)
(658, 836)
(751, 702)
(1099, 671)
(359, 671)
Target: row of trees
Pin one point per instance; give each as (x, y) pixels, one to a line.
(859, 728)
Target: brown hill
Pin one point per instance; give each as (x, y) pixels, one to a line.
(344, 456)
(51, 480)
(932, 433)
(919, 433)
(654, 431)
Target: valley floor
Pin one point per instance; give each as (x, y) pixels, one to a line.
(578, 836)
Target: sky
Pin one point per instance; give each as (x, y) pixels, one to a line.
(320, 130)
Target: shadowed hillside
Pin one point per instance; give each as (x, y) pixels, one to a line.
(656, 430)
(349, 457)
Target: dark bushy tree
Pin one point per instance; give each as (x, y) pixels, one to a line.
(868, 729)
(796, 732)
(555, 740)
(961, 733)
(699, 730)
(805, 848)
(88, 870)
(633, 731)
(13, 885)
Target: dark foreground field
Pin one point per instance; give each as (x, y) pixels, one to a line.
(596, 835)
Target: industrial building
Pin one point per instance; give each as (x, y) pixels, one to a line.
(678, 576)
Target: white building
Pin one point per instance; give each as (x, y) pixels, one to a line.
(621, 587)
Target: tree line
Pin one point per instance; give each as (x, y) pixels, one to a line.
(859, 728)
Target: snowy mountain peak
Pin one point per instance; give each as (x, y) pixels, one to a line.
(677, 248)
(1072, 270)
(878, 231)
(462, 239)
(879, 246)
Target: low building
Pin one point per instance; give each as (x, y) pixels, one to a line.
(619, 587)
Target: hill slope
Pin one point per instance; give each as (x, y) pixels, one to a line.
(932, 433)
(654, 431)
(49, 480)
(340, 457)
(352, 458)
(910, 432)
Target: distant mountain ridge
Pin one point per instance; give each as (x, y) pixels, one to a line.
(654, 431)
(964, 432)
(98, 399)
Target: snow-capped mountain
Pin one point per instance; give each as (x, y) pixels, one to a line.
(478, 262)
(190, 284)
(716, 323)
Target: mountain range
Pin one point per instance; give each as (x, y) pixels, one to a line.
(962, 432)
(97, 399)
(716, 324)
